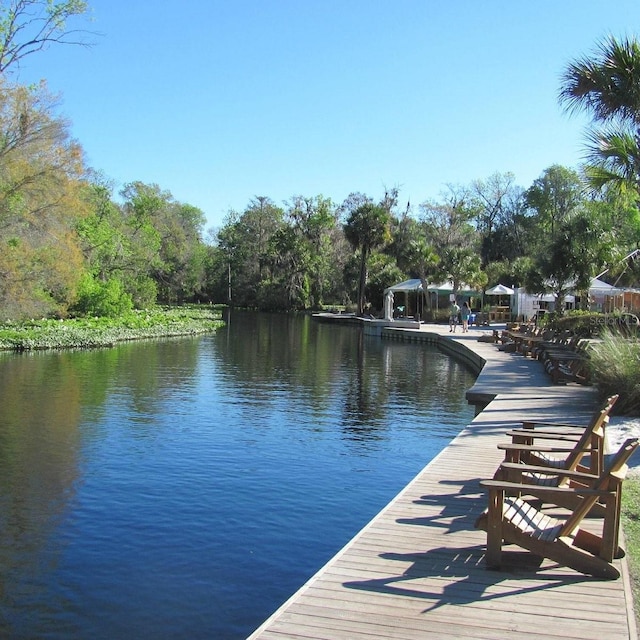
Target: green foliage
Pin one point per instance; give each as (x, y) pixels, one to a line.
(366, 229)
(97, 298)
(105, 332)
(464, 266)
(102, 233)
(60, 221)
(437, 316)
(554, 196)
(607, 86)
(499, 271)
(570, 240)
(456, 242)
(413, 248)
(382, 271)
(318, 250)
(272, 297)
(250, 244)
(295, 261)
(590, 324)
(571, 320)
(615, 364)
(40, 203)
(497, 202)
(351, 279)
(151, 244)
(582, 323)
(143, 290)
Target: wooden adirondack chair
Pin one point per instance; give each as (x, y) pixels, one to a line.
(512, 519)
(550, 477)
(560, 445)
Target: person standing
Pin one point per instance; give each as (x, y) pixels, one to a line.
(465, 312)
(454, 310)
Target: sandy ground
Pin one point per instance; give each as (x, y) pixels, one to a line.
(618, 430)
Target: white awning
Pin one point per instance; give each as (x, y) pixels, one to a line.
(500, 290)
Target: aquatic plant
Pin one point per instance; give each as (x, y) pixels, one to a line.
(85, 333)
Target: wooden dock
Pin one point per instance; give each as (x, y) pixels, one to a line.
(417, 569)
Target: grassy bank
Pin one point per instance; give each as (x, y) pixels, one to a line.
(85, 333)
(631, 527)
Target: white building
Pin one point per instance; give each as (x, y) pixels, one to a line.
(528, 305)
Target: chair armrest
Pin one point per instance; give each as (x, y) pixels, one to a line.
(544, 435)
(549, 471)
(510, 446)
(530, 424)
(532, 489)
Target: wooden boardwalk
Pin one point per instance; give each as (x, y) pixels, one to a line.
(417, 569)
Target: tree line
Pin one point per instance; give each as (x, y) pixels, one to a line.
(553, 236)
(70, 246)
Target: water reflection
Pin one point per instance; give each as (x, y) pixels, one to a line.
(185, 488)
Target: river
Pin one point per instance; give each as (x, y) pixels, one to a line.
(185, 488)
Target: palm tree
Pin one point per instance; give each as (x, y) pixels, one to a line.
(367, 228)
(607, 86)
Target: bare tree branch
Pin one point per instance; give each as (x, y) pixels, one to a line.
(30, 26)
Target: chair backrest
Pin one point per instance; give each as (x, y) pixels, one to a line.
(611, 479)
(592, 440)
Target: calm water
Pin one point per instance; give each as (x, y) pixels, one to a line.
(185, 488)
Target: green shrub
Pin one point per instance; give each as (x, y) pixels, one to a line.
(615, 367)
(581, 323)
(144, 292)
(103, 299)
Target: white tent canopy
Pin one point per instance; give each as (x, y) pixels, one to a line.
(602, 287)
(415, 284)
(402, 287)
(447, 287)
(500, 290)
(596, 285)
(408, 285)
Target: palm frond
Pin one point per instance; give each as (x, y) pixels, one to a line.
(606, 85)
(613, 160)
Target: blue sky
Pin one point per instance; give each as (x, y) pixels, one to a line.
(221, 101)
